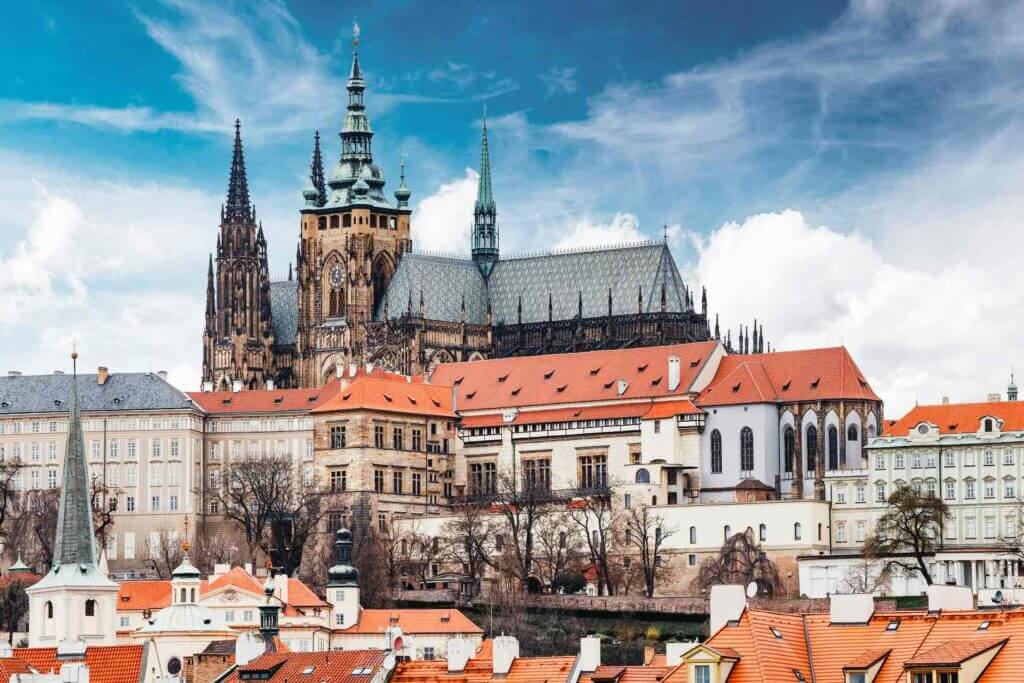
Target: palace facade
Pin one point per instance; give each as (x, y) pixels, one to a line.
(360, 294)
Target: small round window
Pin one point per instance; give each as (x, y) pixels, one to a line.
(922, 429)
(174, 666)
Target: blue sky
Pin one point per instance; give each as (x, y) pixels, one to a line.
(847, 172)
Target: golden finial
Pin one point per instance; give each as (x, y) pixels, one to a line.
(186, 545)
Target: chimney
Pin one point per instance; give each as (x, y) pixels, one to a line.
(460, 650)
(648, 654)
(674, 652)
(352, 369)
(590, 653)
(14, 373)
(270, 385)
(248, 568)
(102, 375)
(854, 608)
(236, 386)
(71, 649)
(727, 604)
(73, 672)
(995, 397)
(248, 647)
(950, 598)
(281, 587)
(623, 385)
(162, 374)
(673, 373)
(945, 400)
(207, 386)
(505, 651)
(220, 570)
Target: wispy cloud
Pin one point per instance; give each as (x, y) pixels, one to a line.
(559, 80)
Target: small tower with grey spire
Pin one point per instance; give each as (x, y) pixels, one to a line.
(485, 212)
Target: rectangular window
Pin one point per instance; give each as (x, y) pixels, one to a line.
(129, 545)
(990, 527)
(859, 493)
(417, 439)
(156, 471)
(929, 488)
(879, 461)
(841, 532)
(969, 489)
(307, 475)
(949, 459)
(969, 458)
(156, 448)
(970, 528)
(173, 474)
(378, 481)
(929, 460)
(214, 451)
(879, 492)
(309, 449)
(114, 448)
(915, 460)
(172, 503)
(537, 474)
(635, 454)
(382, 522)
(950, 490)
(51, 478)
(1009, 489)
(898, 461)
(593, 471)
(396, 482)
(175, 446)
(129, 504)
(154, 504)
(53, 426)
(130, 475)
(338, 436)
(841, 496)
(398, 438)
(417, 483)
(701, 673)
(1007, 457)
(990, 489)
(378, 436)
(339, 480)
(990, 458)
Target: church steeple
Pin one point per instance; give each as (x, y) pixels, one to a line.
(75, 543)
(402, 193)
(316, 193)
(485, 212)
(238, 209)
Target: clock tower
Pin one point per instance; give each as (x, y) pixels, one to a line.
(351, 241)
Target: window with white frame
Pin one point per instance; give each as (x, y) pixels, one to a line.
(950, 489)
(897, 461)
(950, 459)
(990, 458)
(254, 449)
(51, 478)
(929, 459)
(172, 503)
(929, 488)
(969, 458)
(214, 451)
(970, 528)
(990, 488)
(841, 495)
(915, 460)
(968, 489)
(173, 474)
(841, 532)
(129, 503)
(156, 471)
(156, 448)
(1009, 488)
(860, 532)
(1010, 526)
(990, 526)
(175, 447)
(154, 504)
(1008, 457)
(879, 492)
(114, 448)
(879, 461)
(131, 448)
(858, 493)
(34, 452)
(950, 527)
(309, 449)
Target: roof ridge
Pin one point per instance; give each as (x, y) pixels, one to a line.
(638, 244)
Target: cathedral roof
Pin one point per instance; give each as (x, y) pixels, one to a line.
(284, 311)
(625, 271)
(122, 391)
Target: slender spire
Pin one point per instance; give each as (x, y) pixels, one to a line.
(211, 306)
(238, 208)
(485, 211)
(716, 327)
(402, 192)
(74, 543)
(316, 172)
(356, 74)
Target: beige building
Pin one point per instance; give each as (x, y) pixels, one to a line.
(142, 440)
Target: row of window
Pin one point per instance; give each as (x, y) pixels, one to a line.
(97, 424)
(558, 426)
(270, 424)
(928, 459)
(989, 529)
(113, 475)
(256, 449)
(346, 221)
(950, 490)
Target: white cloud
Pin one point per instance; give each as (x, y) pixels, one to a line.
(559, 80)
(914, 331)
(621, 229)
(443, 221)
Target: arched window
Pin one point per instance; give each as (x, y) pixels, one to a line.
(812, 448)
(788, 445)
(49, 610)
(643, 476)
(852, 433)
(727, 531)
(833, 447)
(334, 221)
(654, 500)
(796, 531)
(193, 595)
(184, 595)
(762, 533)
(693, 536)
(90, 608)
(321, 222)
(346, 220)
(746, 449)
(716, 452)
(871, 431)
(988, 424)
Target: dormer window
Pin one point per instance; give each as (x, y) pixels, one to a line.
(989, 424)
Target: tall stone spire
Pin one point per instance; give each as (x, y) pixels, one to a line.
(74, 543)
(238, 209)
(211, 305)
(355, 131)
(316, 173)
(485, 212)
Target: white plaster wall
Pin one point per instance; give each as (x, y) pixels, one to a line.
(729, 420)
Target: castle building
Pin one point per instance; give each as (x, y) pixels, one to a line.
(359, 293)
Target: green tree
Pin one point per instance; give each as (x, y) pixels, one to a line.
(13, 607)
(909, 528)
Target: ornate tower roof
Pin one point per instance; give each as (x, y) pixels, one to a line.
(343, 573)
(485, 212)
(316, 193)
(402, 194)
(238, 208)
(74, 543)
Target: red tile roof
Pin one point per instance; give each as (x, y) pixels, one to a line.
(391, 393)
(953, 652)
(414, 621)
(480, 670)
(153, 595)
(264, 401)
(663, 409)
(783, 376)
(615, 410)
(107, 663)
(960, 418)
(571, 377)
(140, 595)
(338, 666)
(626, 674)
(10, 666)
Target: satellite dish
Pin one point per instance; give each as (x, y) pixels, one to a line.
(998, 597)
(752, 589)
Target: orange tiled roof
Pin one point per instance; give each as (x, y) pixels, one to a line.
(107, 663)
(865, 659)
(953, 652)
(635, 409)
(10, 666)
(336, 666)
(627, 674)
(264, 401)
(806, 375)
(140, 595)
(414, 621)
(571, 377)
(960, 418)
(391, 394)
(661, 409)
(480, 670)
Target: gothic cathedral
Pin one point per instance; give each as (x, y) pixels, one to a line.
(359, 293)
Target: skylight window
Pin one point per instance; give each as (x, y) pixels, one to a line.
(694, 363)
(471, 394)
(548, 374)
(983, 626)
(594, 371)
(814, 384)
(308, 670)
(799, 675)
(562, 387)
(502, 378)
(892, 625)
(775, 632)
(641, 368)
(785, 387)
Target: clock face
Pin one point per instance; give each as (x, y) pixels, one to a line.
(336, 276)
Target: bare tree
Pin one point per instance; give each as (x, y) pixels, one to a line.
(217, 547)
(911, 525)
(559, 546)
(11, 507)
(866, 577)
(368, 555)
(470, 541)
(645, 534)
(521, 506)
(165, 553)
(596, 520)
(740, 560)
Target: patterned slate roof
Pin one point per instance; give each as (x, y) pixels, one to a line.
(284, 311)
(625, 270)
(122, 391)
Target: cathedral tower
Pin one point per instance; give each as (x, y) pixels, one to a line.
(351, 241)
(485, 213)
(238, 337)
